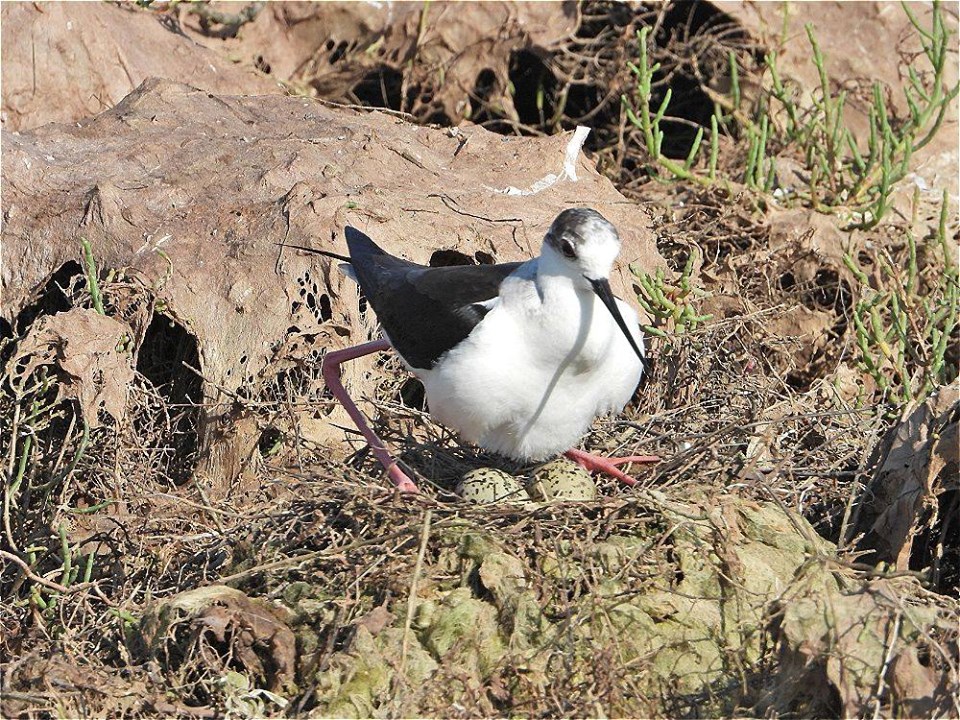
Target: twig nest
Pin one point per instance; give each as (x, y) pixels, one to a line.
(489, 485)
(561, 479)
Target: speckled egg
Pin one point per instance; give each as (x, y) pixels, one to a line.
(488, 485)
(562, 479)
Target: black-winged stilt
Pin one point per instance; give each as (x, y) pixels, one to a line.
(518, 358)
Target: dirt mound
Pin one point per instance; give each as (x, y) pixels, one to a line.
(63, 63)
(287, 170)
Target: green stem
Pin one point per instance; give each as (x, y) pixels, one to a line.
(93, 286)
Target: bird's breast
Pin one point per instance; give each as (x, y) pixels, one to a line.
(574, 333)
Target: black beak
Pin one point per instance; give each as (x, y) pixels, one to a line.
(602, 288)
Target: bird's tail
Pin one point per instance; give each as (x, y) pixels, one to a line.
(361, 246)
(361, 249)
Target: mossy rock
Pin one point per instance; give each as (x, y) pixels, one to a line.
(357, 683)
(465, 632)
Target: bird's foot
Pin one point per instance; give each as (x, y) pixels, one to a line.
(399, 478)
(608, 466)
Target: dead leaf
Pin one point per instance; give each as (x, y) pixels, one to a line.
(83, 348)
(839, 640)
(913, 455)
(257, 634)
(919, 690)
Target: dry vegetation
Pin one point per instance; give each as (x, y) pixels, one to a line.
(804, 383)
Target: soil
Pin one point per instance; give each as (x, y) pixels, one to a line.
(191, 527)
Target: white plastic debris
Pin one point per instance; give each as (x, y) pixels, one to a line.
(569, 171)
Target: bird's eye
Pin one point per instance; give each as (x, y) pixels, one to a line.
(566, 247)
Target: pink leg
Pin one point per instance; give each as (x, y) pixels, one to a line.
(608, 466)
(331, 375)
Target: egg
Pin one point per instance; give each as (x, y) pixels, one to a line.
(489, 485)
(562, 479)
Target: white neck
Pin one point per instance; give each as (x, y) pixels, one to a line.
(554, 275)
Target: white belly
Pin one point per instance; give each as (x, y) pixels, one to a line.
(529, 390)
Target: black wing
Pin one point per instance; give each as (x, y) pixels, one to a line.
(425, 311)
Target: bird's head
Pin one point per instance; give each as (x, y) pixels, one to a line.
(583, 245)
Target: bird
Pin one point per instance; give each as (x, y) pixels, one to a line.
(519, 358)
